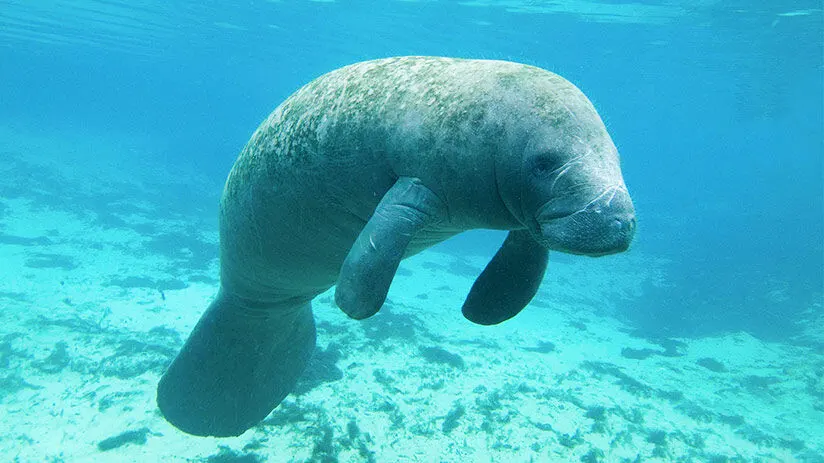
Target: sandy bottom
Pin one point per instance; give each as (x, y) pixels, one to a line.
(102, 280)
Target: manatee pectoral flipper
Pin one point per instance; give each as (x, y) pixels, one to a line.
(236, 367)
(508, 282)
(371, 263)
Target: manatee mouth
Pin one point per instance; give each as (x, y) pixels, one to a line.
(606, 225)
(588, 234)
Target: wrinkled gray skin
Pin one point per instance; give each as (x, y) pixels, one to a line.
(372, 163)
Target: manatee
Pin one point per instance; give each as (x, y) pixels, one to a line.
(372, 163)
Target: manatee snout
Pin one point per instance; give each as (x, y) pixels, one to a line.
(605, 225)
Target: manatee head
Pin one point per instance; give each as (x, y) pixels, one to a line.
(569, 190)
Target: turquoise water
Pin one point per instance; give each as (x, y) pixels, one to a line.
(704, 342)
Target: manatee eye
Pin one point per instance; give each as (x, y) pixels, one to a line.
(546, 163)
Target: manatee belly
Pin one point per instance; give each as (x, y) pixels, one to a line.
(285, 230)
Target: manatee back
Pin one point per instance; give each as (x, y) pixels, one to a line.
(315, 169)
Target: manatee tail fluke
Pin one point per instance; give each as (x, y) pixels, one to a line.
(235, 368)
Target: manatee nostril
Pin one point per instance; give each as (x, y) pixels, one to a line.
(624, 225)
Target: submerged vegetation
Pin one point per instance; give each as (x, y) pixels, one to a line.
(136, 436)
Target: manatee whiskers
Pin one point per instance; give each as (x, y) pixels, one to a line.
(612, 190)
(615, 190)
(569, 165)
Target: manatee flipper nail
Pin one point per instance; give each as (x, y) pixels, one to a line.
(368, 269)
(508, 282)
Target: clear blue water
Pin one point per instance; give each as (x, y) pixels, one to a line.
(715, 106)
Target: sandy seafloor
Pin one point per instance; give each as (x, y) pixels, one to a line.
(107, 263)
